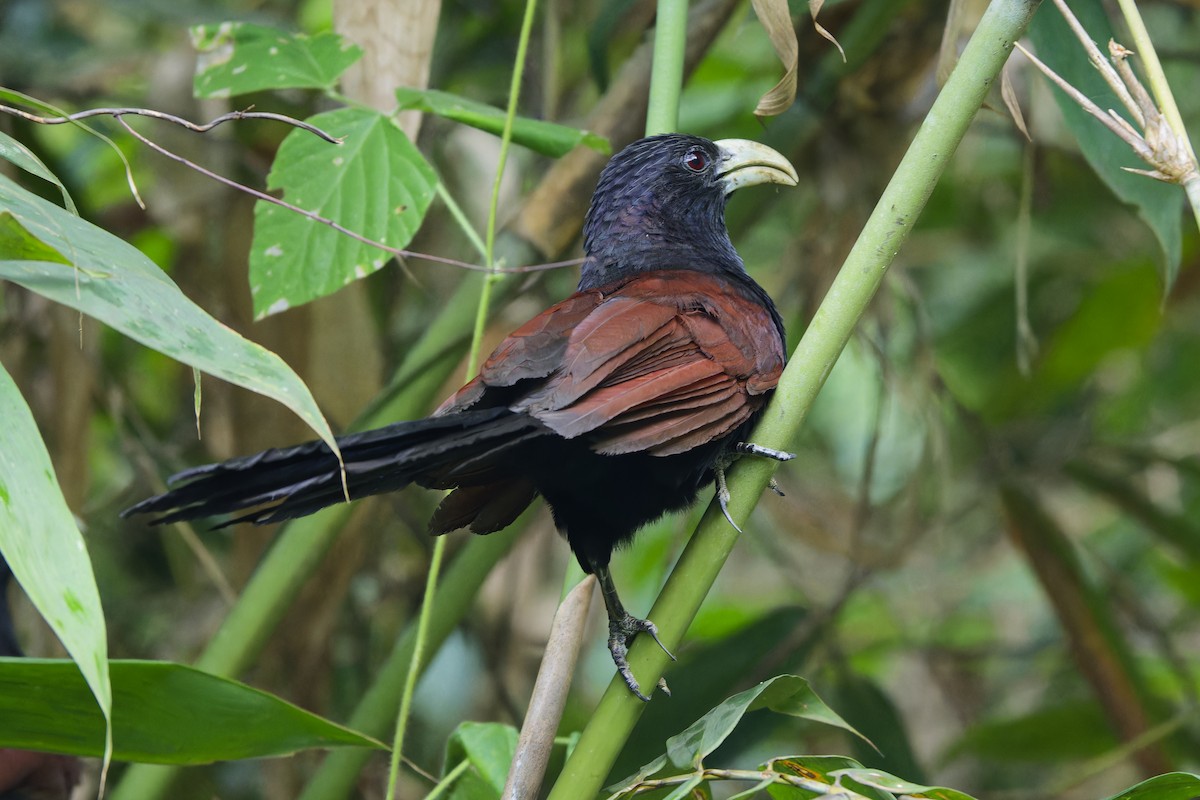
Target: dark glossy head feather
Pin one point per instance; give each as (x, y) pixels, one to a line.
(660, 204)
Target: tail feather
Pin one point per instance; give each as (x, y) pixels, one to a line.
(466, 448)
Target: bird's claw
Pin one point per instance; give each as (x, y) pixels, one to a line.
(620, 633)
(723, 496)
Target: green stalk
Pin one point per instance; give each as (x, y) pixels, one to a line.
(666, 68)
(514, 92)
(847, 300)
(373, 715)
(481, 317)
(414, 668)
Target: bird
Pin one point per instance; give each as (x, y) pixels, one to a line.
(616, 405)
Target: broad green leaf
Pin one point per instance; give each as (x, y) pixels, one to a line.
(18, 244)
(375, 183)
(489, 747)
(547, 138)
(786, 694)
(24, 158)
(1159, 204)
(44, 549)
(1171, 786)
(238, 57)
(890, 783)
(163, 713)
(112, 281)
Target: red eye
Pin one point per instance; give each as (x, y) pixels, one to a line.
(695, 160)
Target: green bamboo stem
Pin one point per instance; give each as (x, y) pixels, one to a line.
(666, 70)
(848, 297)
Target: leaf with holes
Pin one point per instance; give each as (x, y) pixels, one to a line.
(236, 58)
(375, 184)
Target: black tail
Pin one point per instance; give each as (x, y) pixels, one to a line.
(469, 448)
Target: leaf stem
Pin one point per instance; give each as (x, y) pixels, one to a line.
(464, 224)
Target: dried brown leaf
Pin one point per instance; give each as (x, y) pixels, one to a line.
(814, 8)
(777, 21)
(1009, 94)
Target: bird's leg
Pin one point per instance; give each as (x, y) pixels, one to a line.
(728, 457)
(622, 627)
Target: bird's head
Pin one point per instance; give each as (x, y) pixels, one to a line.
(660, 204)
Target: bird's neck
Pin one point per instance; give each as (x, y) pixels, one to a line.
(639, 238)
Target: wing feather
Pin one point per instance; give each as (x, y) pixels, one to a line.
(659, 363)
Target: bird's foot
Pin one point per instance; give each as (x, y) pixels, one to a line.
(751, 449)
(723, 462)
(621, 631)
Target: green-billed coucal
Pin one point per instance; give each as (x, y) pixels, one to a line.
(616, 405)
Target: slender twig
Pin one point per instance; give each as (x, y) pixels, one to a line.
(1100, 62)
(764, 777)
(451, 777)
(66, 118)
(119, 114)
(1124, 132)
(1154, 70)
(1163, 141)
(205, 127)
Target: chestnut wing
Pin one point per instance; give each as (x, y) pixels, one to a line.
(665, 363)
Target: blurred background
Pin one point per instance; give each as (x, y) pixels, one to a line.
(988, 556)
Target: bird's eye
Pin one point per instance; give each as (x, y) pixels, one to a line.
(695, 160)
